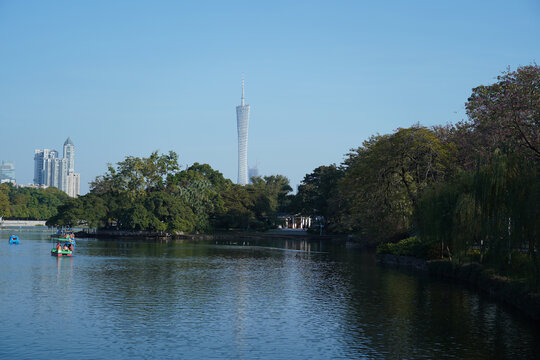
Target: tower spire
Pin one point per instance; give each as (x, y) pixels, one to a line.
(242, 102)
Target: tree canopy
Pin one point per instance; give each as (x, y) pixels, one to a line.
(154, 194)
(29, 203)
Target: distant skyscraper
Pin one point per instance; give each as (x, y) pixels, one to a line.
(49, 170)
(69, 155)
(253, 172)
(242, 122)
(43, 160)
(7, 172)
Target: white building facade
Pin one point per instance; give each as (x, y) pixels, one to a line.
(73, 184)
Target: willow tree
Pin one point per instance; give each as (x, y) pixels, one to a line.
(447, 216)
(508, 192)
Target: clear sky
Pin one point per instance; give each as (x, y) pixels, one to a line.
(130, 77)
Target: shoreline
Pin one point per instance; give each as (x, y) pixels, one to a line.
(224, 235)
(507, 291)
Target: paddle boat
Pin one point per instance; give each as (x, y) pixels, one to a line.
(13, 239)
(61, 252)
(66, 249)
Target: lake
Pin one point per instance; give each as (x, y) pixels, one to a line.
(279, 299)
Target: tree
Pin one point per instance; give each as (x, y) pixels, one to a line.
(318, 192)
(70, 214)
(276, 188)
(238, 208)
(385, 177)
(4, 201)
(505, 115)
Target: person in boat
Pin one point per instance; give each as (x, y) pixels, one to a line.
(58, 246)
(65, 246)
(70, 247)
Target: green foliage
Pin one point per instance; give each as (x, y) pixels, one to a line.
(4, 201)
(29, 203)
(492, 207)
(238, 208)
(153, 194)
(446, 214)
(413, 246)
(317, 195)
(385, 177)
(254, 206)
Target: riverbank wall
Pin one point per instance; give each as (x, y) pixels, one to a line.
(511, 292)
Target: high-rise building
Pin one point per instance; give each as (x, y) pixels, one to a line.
(7, 172)
(242, 122)
(43, 160)
(50, 170)
(69, 155)
(253, 172)
(73, 184)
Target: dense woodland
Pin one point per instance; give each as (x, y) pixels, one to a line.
(464, 191)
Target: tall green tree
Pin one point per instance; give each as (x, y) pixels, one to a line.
(385, 177)
(318, 193)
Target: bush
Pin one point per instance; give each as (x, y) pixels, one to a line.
(413, 246)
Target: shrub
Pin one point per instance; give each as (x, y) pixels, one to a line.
(413, 246)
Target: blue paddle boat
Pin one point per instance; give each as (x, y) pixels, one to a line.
(13, 239)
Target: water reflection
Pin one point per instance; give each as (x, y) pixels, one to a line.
(124, 300)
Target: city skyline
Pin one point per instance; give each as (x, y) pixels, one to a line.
(164, 76)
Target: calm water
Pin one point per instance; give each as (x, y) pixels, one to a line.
(126, 300)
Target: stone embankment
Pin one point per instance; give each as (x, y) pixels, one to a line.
(21, 223)
(508, 291)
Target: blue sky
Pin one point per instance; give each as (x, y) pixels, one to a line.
(130, 77)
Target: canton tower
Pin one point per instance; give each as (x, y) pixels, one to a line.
(242, 122)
